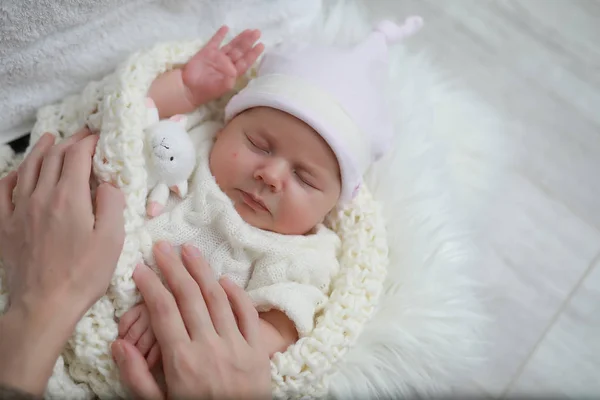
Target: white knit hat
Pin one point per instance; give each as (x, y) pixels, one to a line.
(339, 92)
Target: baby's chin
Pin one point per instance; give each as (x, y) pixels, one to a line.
(251, 217)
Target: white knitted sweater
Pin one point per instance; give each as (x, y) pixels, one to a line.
(290, 273)
(116, 106)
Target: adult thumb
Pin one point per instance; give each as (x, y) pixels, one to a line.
(135, 375)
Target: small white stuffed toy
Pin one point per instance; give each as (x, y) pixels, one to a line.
(170, 158)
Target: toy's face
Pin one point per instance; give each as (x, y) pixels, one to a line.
(171, 152)
(281, 175)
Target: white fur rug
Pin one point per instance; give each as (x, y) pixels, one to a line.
(436, 185)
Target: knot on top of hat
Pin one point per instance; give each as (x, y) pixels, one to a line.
(394, 32)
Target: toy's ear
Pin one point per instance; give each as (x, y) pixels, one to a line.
(152, 116)
(180, 119)
(150, 103)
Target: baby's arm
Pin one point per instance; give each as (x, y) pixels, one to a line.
(207, 75)
(277, 331)
(289, 292)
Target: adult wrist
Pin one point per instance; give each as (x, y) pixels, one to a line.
(11, 393)
(31, 340)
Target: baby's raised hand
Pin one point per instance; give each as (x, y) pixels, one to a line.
(212, 71)
(134, 327)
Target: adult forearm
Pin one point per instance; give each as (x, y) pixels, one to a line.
(30, 343)
(10, 393)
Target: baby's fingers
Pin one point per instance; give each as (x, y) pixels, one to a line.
(241, 44)
(146, 341)
(153, 356)
(217, 38)
(249, 58)
(135, 374)
(139, 327)
(128, 319)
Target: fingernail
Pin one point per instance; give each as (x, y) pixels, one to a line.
(119, 353)
(164, 247)
(139, 269)
(191, 250)
(48, 136)
(224, 280)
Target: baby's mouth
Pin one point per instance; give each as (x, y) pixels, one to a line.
(254, 202)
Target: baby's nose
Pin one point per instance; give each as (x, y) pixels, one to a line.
(273, 174)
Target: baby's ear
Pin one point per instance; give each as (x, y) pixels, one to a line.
(180, 119)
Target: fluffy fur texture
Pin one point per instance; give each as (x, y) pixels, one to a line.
(435, 187)
(438, 184)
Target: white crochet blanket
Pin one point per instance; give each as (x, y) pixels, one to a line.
(116, 106)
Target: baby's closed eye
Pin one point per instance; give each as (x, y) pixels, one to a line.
(306, 179)
(258, 143)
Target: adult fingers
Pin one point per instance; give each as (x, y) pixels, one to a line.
(52, 165)
(29, 170)
(185, 290)
(244, 310)
(215, 298)
(7, 185)
(164, 314)
(77, 166)
(249, 58)
(218, 37)
(134, 371)
(110, 218)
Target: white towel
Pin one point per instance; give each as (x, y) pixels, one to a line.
(49, 49)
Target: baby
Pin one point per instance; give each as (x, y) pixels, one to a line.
(295, 143)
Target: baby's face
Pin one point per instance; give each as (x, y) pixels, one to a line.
(281, 175)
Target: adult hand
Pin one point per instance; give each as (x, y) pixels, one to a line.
(58, 254)
(208, 333)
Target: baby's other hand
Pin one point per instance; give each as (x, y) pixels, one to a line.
(213, 71)
(134, 327)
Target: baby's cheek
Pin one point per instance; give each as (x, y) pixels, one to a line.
(299, 214)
